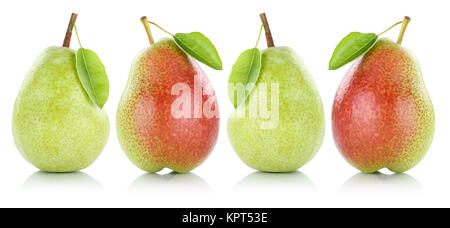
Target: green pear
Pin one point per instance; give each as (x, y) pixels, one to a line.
(281, 124)
(56, 126)
(298, 134)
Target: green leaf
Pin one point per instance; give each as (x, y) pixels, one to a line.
(350, 48)
(200, 47)
(92, 75)
(244, 75)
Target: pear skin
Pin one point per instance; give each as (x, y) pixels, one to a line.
(382, 114)
(294, 132)
(150, 134)
(55, 125)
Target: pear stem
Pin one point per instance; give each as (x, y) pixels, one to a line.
(402, 31)
(269, 38)
(147, 29)
(68, 36)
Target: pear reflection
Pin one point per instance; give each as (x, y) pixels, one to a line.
(382, 183)
(276, 182)
(61, 182)
(171, 182)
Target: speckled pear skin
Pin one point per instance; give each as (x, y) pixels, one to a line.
(382, 114)
(300, 131)
(149, 134)
(55, 125)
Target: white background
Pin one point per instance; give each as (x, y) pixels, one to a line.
(312, 28)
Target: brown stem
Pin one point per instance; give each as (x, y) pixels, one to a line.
(402, 31)
(147, 29)
(68, 36)
(269, 38)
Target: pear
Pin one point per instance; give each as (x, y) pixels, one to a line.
(56, 127)
(382, 114)
(384, 97)
(153, 132)
(291, 131)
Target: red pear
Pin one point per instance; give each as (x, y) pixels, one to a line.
(382, 114)
(168, 114)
